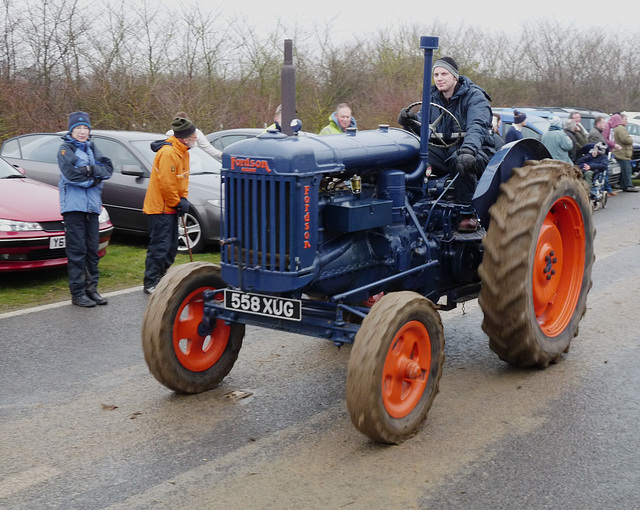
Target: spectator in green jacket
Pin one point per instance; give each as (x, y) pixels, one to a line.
(339, 121)
(622, 138)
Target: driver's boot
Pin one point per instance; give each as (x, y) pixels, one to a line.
(469, 223)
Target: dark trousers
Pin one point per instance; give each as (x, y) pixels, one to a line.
(625, 174)
(163, 247)
(443, 162)
(82, 233)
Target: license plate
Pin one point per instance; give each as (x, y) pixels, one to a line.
(56, 243)
(268, 306)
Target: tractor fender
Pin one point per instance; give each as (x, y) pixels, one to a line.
(512, 155)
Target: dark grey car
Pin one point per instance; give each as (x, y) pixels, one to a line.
(123, 194)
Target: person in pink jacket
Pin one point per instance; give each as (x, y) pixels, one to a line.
(607, 133)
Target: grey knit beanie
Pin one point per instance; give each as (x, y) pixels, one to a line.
(449, 64)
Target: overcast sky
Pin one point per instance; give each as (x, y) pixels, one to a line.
(361, 17)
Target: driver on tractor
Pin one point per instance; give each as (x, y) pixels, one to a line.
(464, 150)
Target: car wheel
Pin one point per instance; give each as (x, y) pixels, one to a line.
(193, 231)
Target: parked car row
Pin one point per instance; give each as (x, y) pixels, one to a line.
(538, 124)
(123, 194)
(31, 230)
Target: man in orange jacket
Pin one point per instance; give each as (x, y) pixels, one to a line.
(166, 199)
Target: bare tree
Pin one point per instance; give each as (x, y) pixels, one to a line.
(133, 68)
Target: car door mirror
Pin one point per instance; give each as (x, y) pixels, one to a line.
(134, 170)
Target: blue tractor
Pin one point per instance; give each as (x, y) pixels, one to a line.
(350, 238)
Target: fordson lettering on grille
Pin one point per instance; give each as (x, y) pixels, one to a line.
(307, 218)
(249, 165)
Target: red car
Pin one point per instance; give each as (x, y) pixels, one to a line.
(31, 230)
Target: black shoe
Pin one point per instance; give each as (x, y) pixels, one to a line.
(149, 290)
(97, 298)
(83, 301)
(631, 189)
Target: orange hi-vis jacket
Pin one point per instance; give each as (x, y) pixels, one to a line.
(169, 177)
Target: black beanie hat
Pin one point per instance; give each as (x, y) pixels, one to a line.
(449, 64)
(79, 119)
(182, 128)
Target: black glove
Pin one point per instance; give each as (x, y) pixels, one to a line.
(96, 181)
(182, 207)
(406, 116)
(86, 170)
(466, 162)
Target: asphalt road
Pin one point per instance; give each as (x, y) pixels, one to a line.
(83, 424)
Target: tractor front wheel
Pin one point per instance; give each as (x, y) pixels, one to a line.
(395, 367)
(177, 354)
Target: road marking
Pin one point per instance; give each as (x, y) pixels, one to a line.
(51, 306)
(26, 479)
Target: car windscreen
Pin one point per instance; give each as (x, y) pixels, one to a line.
(7, 170)
(199, 161)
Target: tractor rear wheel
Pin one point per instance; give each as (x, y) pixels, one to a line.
(395, 367)
(536, 271)
(177, 355)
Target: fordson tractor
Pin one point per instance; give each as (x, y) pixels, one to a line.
(315, 228)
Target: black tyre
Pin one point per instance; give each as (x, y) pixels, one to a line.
(395, 367)
(193, 232)
(176, 354)
(536, 271)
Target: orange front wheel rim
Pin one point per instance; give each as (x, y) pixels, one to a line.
(195, 352)
(558, 267)
(406, 369)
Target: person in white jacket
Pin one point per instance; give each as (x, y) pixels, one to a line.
(201, 140)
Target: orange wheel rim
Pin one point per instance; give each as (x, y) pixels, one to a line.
(406, 369)
(558, 268)
(195, 352)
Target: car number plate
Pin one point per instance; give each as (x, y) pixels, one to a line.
(56, 243)
(268, 306)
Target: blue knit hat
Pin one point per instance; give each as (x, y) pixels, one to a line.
(519, 117)
(79, 119)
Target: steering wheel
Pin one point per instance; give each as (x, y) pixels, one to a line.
(458, 136)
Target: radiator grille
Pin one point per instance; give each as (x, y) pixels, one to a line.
(258, 215)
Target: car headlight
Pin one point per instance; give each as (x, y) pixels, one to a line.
(18, 226)
(104, 216)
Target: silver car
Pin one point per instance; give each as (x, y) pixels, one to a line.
(123, 194)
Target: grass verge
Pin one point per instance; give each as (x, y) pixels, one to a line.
(122, 267)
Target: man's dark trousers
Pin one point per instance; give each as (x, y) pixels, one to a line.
(163, 247)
